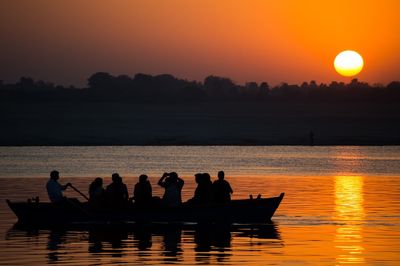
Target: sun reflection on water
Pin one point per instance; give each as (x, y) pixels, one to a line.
(349, 211)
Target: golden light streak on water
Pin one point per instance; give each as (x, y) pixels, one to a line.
(349, 211)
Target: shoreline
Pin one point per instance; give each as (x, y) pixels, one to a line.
(371, 144)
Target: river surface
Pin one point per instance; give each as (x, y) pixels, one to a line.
(341, 206)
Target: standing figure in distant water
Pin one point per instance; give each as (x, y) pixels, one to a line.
(97, 193)
(222, 189)
(173, 186)
(311, 138)
(117, 192)
(142, 193)
(55, 189)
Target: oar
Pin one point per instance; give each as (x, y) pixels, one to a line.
(77, 190)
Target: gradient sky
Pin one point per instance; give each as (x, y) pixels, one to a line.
(64, 41)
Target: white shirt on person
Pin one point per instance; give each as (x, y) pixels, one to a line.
(172, 195)
(54, 190)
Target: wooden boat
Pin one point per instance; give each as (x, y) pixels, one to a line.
(237, 211)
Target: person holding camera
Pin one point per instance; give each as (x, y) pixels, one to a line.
(173, 186)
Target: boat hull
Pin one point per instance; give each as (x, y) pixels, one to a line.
(237, 211)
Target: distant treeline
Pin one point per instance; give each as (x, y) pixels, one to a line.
(166, 88)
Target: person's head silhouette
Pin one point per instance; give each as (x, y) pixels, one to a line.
(221, 175)
(198, 177)
(173, 177)
(98, 182)
(206, 178)
(143, 178)
(116, 178)
(55, 175)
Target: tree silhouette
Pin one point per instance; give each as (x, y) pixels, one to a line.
(166, 88)
(100, 80)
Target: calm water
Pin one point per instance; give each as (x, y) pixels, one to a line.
(342, 206)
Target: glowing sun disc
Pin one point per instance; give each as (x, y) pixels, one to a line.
(348, 63)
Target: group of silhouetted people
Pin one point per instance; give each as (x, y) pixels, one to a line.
(208, 192)
(116, 195)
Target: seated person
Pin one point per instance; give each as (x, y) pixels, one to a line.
(55, 189)
(142, 193)
(117, 193)
(222, 189)
(97, 193)
(203, 193)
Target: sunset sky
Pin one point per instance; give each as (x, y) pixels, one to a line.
(64, 41)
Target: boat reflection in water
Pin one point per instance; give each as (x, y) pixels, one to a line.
(148, 243)
(349, 213)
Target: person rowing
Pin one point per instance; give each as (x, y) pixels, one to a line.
(55, 189)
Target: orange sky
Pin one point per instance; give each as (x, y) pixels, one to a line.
(64, 41)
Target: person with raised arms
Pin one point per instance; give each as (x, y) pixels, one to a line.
(173, 186)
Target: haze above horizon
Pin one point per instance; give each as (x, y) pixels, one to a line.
(275, 41)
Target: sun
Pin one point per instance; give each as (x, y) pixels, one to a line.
(348, 63)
